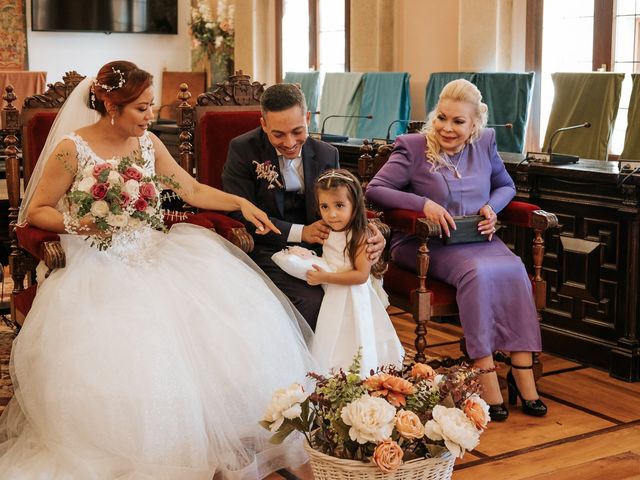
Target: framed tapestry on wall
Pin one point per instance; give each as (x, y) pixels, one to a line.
(13, 35)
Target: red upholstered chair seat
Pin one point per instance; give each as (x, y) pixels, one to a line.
(215, 130)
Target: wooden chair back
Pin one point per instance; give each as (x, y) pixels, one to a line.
(206, 129)
(171, 82)
(33, 124)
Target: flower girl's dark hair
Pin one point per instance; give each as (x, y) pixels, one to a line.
(121, 82)
(332, 179)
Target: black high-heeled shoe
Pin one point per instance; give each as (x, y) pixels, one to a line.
(536, 408)
(498, 412)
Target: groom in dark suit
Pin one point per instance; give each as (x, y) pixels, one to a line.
(275, 167)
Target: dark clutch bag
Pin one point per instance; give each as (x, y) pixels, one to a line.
(466, 231)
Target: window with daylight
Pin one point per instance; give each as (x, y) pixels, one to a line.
(583, 36)
(312, 35)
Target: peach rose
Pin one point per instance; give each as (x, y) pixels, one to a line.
(388, 456)
(478, 411)
(409, 425)
(395, 389)
(423, 372)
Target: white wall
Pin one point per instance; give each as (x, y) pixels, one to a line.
(59, 52)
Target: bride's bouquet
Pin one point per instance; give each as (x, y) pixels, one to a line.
(389, 418)
(118, 196)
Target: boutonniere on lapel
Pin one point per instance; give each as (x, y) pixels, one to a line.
(267, 171)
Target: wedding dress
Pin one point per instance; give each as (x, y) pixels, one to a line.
(154, 359)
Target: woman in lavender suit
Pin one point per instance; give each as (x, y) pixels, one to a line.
(453, 169)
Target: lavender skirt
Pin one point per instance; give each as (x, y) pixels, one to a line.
(494, 296)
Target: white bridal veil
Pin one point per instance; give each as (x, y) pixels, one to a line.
(74, 114)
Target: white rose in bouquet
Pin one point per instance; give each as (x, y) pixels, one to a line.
(117, 221)
(132, 187)
(455, 428)
(86, 183)
(285, 403)
(371, 419)
(114, 178)
(100, 208)
(87, 171)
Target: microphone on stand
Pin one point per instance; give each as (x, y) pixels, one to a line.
(556, 158)
(559, 158)
(338, 138)
(388, 137)
(505, 125)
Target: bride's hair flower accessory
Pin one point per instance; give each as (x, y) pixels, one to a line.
(108, 88)
(267, 171)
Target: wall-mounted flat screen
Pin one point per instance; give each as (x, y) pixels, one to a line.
(117, 16)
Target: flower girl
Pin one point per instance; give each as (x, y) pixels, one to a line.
(352, 315)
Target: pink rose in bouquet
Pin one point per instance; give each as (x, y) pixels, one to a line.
(131, 173)
(99, 190)
(148, 190)
(98, 169)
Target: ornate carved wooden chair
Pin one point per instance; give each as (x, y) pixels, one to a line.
(231, 109)
(427, 297)
(29, 245)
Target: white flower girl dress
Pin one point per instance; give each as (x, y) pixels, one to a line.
(154, 359)
(352, 317)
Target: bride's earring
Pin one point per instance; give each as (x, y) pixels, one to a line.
(113, 119)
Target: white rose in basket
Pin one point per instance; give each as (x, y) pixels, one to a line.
(371, 419)
(285, 403)
(455, 428)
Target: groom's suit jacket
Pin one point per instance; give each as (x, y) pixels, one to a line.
(239, 177)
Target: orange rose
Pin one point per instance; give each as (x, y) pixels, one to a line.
(476, 412)
(409, 425)
(423, 372)
(388, 456)
(390, 386)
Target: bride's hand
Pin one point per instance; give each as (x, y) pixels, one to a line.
(256, 216)
(88, 227)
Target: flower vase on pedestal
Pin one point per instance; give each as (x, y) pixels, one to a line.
(221, 69)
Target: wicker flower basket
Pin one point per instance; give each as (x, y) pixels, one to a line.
(325, 467)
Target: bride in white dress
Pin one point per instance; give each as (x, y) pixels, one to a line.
(155, 358)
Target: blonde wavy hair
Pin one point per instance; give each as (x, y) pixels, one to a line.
(460, 91)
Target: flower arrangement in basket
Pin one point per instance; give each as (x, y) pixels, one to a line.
(213, 37)
(392, 420)
(118, 196)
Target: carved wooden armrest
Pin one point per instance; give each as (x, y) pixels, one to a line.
(230, 228)
(382, 265)
(524, 214)
(53, 256)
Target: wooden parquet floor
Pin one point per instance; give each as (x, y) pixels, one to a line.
(592, 430)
